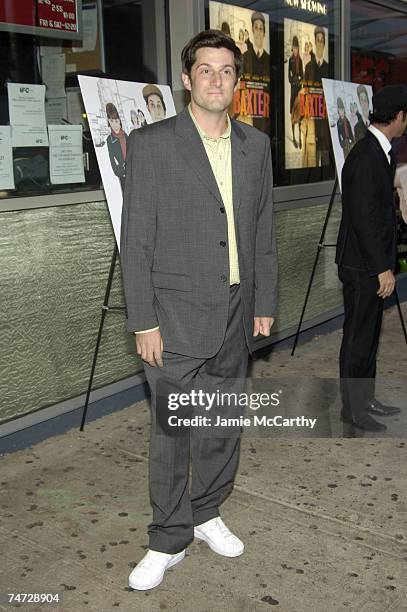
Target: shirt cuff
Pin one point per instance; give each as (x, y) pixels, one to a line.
(145, 331)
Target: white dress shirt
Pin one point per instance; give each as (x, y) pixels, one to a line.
(383, 140)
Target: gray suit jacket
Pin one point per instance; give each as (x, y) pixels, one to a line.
(175, 269)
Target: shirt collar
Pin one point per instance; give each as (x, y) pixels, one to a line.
(202, 134)
(383, 140)
(258, 51)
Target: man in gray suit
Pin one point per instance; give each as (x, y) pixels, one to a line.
(200, 272)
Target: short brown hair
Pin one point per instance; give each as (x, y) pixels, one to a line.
(111, 111)
(214, 39)
(362, 89)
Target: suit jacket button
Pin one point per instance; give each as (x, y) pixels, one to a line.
(222, 210)
(222, 243)
(223, 278)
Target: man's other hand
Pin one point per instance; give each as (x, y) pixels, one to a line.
(262, 325)
(149, 347)
(387, 283)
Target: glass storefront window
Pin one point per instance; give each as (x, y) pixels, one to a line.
(287, 46)
(378, 43)
(118, 43)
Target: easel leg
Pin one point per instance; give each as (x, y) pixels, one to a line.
(403, 327)
(102, 320)
(320, 246)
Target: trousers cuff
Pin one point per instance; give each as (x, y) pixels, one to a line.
(206, 514)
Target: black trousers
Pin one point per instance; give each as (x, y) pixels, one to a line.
(178, 504)
(361, 332)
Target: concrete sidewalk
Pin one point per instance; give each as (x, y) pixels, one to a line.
(323, 520)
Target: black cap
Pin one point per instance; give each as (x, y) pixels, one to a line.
(389, 100)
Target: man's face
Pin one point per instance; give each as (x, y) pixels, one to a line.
(341, 113)
(155, 107)
(319, 45)
(401, 124)
(114, 124)
(364, 104)
(213, 79)
(258, 33)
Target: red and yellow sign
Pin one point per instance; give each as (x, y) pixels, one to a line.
(40, 17)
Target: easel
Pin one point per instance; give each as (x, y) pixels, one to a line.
(322, 245)
(105, 309)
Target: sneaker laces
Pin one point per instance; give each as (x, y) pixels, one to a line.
(219, 526)
(150, 560)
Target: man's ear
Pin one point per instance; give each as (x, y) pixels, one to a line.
(186, 81)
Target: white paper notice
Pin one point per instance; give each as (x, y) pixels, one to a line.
(76, 108)
(56, 110)
(89, 29)
(50, 49)
(66, 154)
(53, 75)
(6, 158)
(27, 115)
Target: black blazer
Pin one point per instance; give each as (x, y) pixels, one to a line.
(367, 234)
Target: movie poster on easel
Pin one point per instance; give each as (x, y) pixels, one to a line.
(250, 31)
(348, 106)
(306, 62)
(114, 109)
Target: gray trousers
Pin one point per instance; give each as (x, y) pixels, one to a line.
(178, 505)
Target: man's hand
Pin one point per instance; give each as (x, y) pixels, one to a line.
(387, 283)
(262, 325)
(149, 347)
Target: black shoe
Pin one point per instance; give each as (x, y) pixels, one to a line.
(376, 407)
(366, 422)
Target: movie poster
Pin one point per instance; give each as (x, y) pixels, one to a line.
(306, 63)
(114, 109)
(250, 31)
(348, 106)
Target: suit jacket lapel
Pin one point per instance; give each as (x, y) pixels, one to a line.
(193, 152)
(239, 152)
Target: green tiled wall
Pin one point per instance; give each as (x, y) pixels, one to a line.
(54, 264)
(298, 234)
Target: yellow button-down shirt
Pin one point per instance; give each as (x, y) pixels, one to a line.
(219, 152)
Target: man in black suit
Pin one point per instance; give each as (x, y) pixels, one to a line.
(363, 120)
(316, 70)
(256, 60)
(366, 254)
(256, 64)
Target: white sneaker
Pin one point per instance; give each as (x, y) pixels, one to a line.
(219, 538)
(149, 572)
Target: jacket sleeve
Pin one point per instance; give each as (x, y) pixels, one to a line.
(266, 265)
(138, 232)
(364, 209)
(290, 72)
